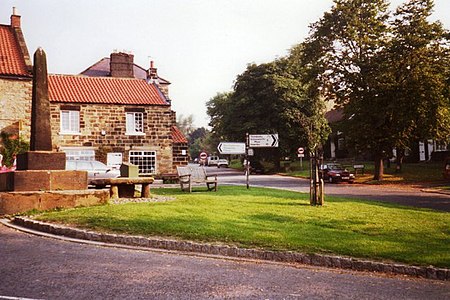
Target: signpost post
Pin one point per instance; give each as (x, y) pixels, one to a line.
(257, 141)
(203, 157)
(251, 140)
(301, 154)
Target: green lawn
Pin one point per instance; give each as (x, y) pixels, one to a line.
(279, 220)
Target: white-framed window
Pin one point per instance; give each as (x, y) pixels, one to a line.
(145, 160)
(135, 123)
(440, 146)
(87, 154)
(70, 121)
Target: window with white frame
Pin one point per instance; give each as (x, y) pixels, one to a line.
(79, 154)
(440, 146)
(135, 123)
(145, 160)
(70, 121)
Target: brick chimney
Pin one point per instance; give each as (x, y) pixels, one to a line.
(152, 72)
(121, 65)
(15, 19)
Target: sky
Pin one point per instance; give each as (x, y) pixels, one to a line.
(200, 46)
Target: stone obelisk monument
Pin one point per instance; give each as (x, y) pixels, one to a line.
(41, 181)
(41, 156)
(41, 138)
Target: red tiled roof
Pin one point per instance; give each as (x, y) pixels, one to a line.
(12, 61)
(178, 136)
(82, 89)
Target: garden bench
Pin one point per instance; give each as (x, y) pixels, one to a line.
(169, 177)
(123, 187)
(190, 175)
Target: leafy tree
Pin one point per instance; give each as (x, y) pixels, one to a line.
(344, 54)
(195, 141)
(186, 124)
(418, 61)
(11, 146)
(391, 79)
(269, 98)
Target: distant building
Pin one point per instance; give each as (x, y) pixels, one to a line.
(336, 148)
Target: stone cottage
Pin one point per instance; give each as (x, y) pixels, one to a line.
(15, 80)
(114, 111)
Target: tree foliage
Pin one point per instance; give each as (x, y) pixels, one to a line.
(11, 146)
(200, 140)
(185, 124)
(389, 77)
(270, 98)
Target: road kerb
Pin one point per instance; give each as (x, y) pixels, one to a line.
(320, 260)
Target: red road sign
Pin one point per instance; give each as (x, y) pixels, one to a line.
(300, 150)
(203, 155)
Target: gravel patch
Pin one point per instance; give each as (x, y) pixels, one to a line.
(154, 198)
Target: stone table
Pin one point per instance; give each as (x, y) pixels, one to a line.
(123, 187)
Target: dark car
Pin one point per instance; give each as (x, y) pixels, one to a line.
(333, 172)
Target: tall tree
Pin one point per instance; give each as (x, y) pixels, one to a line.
(390, 78)
(268, 98)
(343, 52)
(418, 60)
(186, 124)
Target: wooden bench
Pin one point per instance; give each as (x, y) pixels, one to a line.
(169, 177)
(190, 175)
(123, 187)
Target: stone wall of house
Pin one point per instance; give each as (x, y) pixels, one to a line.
(103, 127)
(180, 159)
(15, 106)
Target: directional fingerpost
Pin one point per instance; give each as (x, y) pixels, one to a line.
(231, 148)
(263, 140)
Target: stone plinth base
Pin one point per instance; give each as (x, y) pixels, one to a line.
(43, 180)
(41, 160)
(19, 202)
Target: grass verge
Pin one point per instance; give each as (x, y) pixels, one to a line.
(278, 220)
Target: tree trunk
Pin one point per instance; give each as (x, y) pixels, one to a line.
(379, 168)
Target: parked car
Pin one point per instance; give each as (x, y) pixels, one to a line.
(446, 171)
(333, 172)
(212, 160)
(95, 169)
(222, 163)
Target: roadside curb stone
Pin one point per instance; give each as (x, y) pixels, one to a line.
(329, 261)
(436, 191)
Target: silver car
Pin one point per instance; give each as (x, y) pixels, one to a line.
(95, 169)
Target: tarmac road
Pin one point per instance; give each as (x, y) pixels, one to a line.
(42, 268)
(409, 196)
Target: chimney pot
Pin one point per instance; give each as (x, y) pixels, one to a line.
(15, 19)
